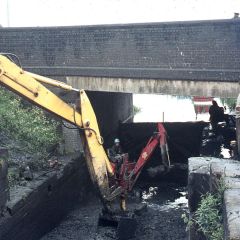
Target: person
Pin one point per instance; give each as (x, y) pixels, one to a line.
(115, 154)
(216, 114)
(115, 150)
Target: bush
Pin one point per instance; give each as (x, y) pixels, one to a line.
(27, 124)
(208, 217)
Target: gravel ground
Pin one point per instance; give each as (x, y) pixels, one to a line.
(162, 219)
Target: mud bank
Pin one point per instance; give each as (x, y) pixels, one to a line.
(162, 220)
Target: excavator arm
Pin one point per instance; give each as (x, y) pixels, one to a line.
(131, 171)
(30, 86)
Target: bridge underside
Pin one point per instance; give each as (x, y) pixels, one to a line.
(156, 86)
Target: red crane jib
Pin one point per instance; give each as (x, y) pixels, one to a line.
(130, 171)
(160, 138)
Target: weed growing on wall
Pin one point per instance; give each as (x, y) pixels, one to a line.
(26, 124)
(208, 217)
(136, 110)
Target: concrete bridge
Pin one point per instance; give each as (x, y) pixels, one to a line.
(184, 58)
(200, 58)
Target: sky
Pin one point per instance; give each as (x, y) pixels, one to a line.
(17, 13)
(160, 108)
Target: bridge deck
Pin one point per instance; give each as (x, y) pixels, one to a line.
(195, 51)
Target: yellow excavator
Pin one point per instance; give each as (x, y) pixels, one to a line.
(109, 183)
(32, 87)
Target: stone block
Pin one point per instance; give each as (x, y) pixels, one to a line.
(198, 180)
(232, 183)
(232, 214)
(222, 169)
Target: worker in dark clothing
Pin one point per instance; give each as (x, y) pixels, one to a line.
(115, 154)
(116, 148)
(216, 114)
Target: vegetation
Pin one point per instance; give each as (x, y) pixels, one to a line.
(230, 102)
(208, 216)
(136, 110)
(27, 125)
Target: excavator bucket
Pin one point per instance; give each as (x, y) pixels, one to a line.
(124, 222)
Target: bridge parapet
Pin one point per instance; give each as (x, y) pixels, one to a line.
(193, 51)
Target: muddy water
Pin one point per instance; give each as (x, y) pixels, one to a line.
(162, 219)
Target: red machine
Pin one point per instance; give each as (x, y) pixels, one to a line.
(125, 176)
(129, 172)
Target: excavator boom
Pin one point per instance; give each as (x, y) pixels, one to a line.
(109, 179)
(29, 86)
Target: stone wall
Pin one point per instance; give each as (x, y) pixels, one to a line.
(38, 206)
(203, 176)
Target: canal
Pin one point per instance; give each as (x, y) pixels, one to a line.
(166, 202)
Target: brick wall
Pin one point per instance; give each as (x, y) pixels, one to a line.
(201, 50)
